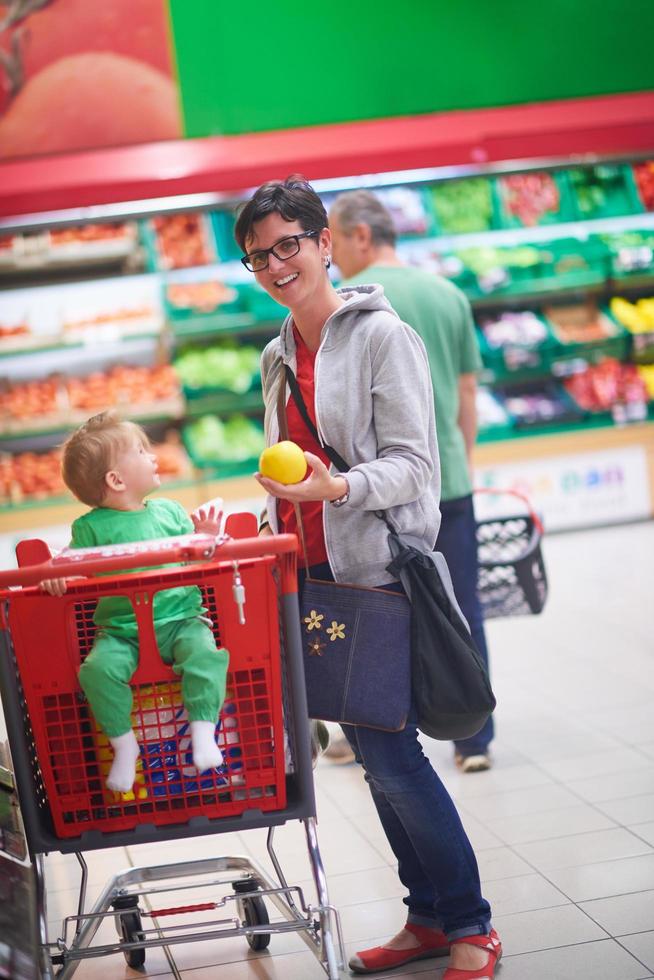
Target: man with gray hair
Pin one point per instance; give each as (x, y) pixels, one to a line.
(363, 240)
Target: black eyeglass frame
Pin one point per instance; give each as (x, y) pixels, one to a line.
(246, 259)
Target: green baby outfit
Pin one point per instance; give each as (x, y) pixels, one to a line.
(184, 639)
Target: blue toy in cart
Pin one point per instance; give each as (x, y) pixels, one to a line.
(168, 764)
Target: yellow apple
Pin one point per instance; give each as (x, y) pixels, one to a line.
(283, 462)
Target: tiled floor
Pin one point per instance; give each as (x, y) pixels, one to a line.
(563, 825)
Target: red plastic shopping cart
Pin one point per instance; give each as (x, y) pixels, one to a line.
(60, 758)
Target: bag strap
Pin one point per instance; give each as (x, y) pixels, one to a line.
(282, 423)
(296, 393)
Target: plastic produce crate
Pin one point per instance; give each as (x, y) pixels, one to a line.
(604, 191)
(514, 360)
(531, 207)
(539, 404)
(464, 206)
(616, 343)
(263, 308)
(223, 229)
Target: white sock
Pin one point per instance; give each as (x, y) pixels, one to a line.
(123, 770)
(206, 754)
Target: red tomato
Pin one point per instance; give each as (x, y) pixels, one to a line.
(134, 28)
(87, 101)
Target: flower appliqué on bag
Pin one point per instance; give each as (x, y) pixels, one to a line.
(313, 620)
(316, 647)
(336, 631)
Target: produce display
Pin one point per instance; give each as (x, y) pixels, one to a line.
(37, 476)
(522, 329)
(530, 198)
(600, 191)
(463, 205)
(13, 331)
(490, 411)
(211, 440)
(644, 175)
(182, 241)
(123, 385)
(92, 233)
(206, 381)
(631, 251)
(30, 475)
(123, 320)
(646, 372)
(61, 401)
(227, 366)
(602, 387)
(539, 405)
(407, 209)
(31, 400)
(579, 323)
(199, 297)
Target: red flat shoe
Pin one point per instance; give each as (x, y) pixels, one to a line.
(433, 942)
(492, 944)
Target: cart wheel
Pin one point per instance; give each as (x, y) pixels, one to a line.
(254, 912)
(130, 928)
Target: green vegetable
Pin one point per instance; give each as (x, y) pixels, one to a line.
(463, 205)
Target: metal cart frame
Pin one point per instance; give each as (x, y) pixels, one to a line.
(242, 913)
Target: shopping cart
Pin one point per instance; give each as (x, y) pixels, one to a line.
(511, 579)
(60, 759)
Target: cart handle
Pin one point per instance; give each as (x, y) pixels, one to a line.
(538, 524)
(76, 562)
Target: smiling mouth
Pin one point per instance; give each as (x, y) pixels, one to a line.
(286, 279)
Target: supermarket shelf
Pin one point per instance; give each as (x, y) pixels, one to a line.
(224, 403)
(531, 296)
(530, 236)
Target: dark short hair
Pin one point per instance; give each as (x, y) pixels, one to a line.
(364, 208)
(294, 199)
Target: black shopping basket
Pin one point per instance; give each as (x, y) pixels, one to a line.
(511, 580)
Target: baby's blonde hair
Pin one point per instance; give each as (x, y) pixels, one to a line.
(90, 453)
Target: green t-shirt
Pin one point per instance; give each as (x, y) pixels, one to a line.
(159, 518)
(440, 314)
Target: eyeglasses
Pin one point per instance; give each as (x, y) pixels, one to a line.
(286, 249)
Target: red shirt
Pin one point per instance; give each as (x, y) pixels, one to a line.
(297, 431)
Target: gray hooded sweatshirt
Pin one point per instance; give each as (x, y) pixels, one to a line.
(375, 406)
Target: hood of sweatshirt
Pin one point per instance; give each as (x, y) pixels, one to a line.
(358, 299)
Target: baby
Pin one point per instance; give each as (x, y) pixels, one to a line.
(108, 465)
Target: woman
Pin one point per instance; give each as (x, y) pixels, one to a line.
(365, 381)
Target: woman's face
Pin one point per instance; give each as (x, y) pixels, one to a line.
(292, 281)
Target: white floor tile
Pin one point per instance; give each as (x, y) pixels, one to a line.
(605, 960)
(606, 878)
(623, 914)
(581, 849)
(642, 947)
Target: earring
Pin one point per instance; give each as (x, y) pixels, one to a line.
(328, 262)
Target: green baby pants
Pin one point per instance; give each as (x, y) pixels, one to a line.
(187, 644)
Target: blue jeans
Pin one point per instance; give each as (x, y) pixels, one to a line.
(457, 540)
(435, 859)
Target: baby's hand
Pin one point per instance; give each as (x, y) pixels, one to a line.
(54, 586)
(208, 519)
